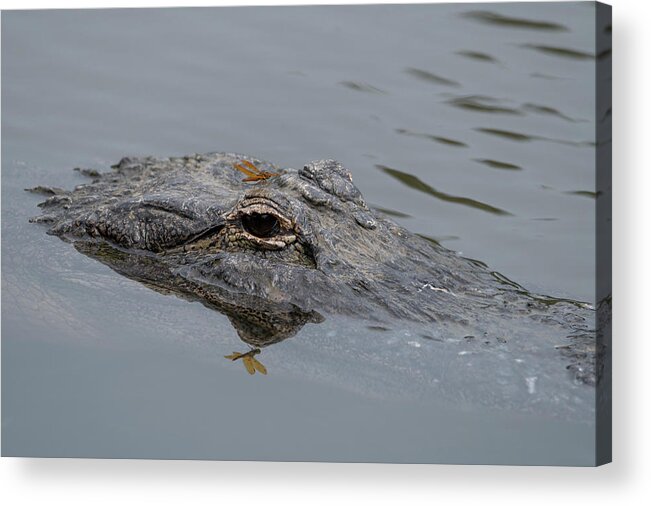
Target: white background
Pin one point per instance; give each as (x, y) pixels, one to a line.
(626, 481)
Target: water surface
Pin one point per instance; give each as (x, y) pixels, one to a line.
(472, 125)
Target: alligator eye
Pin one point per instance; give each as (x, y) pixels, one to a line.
(261, 225)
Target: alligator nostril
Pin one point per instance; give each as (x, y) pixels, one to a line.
(263, 225)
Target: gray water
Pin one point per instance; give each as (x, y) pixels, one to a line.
(494, 117)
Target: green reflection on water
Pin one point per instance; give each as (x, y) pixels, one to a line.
(476, 55)
(506, 134)
(519, 137)
(417, 184)
(424, 75)
(563, 52)
(441, 140)
(495, 164)
(492, 18)
(437, 240)
(585, 193)
(391, 212)
(482, 104)
(363, 87)
(543, 109)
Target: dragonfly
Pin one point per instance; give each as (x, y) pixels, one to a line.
(248, 359)
(252, 172)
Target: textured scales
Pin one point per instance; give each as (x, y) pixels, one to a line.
(288, 249)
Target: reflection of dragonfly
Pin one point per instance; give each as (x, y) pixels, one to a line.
(248, 359)
(252, 172)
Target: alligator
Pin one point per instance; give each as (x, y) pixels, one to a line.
(285, 247)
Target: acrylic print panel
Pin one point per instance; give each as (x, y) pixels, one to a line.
(211, 284)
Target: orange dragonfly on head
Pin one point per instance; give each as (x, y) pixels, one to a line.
(252, 172)
(250, 362)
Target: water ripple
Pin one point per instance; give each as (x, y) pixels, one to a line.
(485, 104)
(480, 103)
(416, 184)
(584, 193)
(476, 55)
(363, 87)
(438, 240)
(424, 75)
(507, 134)
(543, 109)
(562, 52)
(441, 140)
(496, 164)
(492, 18)
(520, 137)
(390, 212)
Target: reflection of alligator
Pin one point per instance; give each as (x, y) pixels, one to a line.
(275, 254)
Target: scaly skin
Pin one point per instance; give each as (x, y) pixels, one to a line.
(284, 250)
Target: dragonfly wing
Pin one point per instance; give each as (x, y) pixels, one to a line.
(248, 363)
(258, 365)
(252, 167)
(246, 171)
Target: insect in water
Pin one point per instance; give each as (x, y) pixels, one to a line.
(250, 362)
(252, 172)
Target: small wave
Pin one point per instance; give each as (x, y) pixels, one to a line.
(520, 137)
(478, 103)
(424, 75)
(485, 104)
(391, 212)
(438, 240)
(495, 164)
(476, 55)
(584, 193)
(416, 184)
(562, 52)
(506, 134)
(363, 87)
(543, 109)
(492, 18)
(441, 140)
(539, 75)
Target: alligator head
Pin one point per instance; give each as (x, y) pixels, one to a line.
(303, 237)
(277, 251)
